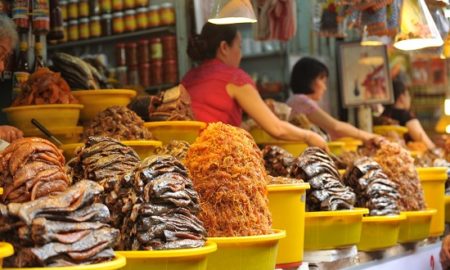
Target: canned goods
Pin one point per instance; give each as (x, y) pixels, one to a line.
(153, 16)
(95, 26)
(105, 6)
(73, 9)
(167, 14)
(83, 8)
(141, 18)
(64, 5)
(117, 5)
(83, 26)
(118, 23)
(74, 34)
(130, 21)
(156, 49)
(129, 4)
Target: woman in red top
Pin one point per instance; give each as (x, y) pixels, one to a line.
(220, 90)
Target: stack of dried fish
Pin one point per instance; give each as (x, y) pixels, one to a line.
(373, 188)
(31, 168)
(59, 230)
(120, 123)
(45, 87)
(327, 193)
(106, 161)
(164, 212)
(228, 173)
(177, 149)
(277, 160)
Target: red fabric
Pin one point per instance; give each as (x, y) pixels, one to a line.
(206, 85)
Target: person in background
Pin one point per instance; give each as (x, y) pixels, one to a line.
(309, 83)
(400, 111)
(8, 40)
(220, 91)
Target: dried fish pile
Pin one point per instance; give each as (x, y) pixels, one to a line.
(59, 230)
(373, 188)
(277, 160)
(164, 213)
(228, 173)
(31, 168)
(120, 123)
(45, 87)
(106, 161)
(327, 193)
(177, 149)
(398, 165)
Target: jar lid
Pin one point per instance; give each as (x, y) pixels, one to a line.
(130, 12)
(155, 40)
(63, 2)
(73, 22)
(167, 5)
(153, 7)
(142, 9)
(106, 16)
(143, 42)
(95, 18)
(118, 14)
(84, 20)
(132, 45)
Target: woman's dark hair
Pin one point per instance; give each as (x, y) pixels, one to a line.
(305, 71)
(204, 46)
(399, 87)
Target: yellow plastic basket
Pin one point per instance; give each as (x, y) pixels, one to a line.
(447, 208)
(6, 250)
(297, 148)
(333, 229)
(167, 131)
(382, 130)
(143, 148)
(416, 226)
(96, 101)
(433, 184)
(351, 144)
(65, 134)
(50, 116)
(257, 252)
(287, 205)
(116, 263)
(379, 232)
(177, 259)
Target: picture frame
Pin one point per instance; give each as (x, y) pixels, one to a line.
(364, 75)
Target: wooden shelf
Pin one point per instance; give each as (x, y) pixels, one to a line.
(113, 38)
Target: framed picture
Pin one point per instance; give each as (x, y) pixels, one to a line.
(202, 10)
(364, 75)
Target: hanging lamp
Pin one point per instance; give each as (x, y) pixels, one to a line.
(232, 12)
(417, 28)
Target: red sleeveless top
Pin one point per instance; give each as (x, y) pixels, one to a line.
(207, 84)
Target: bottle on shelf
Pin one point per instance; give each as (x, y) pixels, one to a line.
(22, 71)
(57, 21)
(39, 61)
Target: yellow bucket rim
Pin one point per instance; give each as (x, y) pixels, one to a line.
(116, 263)
(6, 250)
(209, 247)
(288, 187)
(339, 213)
(395, 128)
(276, 235)
(57, 130)
(197, 124)
(446, 198)
(46, 106)
(420, 213)
(382, 219)
(436, 174)
(127, 92)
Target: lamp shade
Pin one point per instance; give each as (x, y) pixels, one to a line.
(232, 11)
(417, 28)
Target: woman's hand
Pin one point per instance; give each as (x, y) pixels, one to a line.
(9, 133)
(314, 139)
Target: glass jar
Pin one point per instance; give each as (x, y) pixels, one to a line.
(64, 5)
(143, 50)
(118, 23)
(156, 49)
(117, 5)
(132, 54)
(95, 27)
(121, 54)
(94, 7)
(106, 23)
(157, 72)
(141, 18)
(169, 44)
(106, 6)
(83, 26)
(83, 8)
(167, 14)
(129, 4)
(74, 33)
(153, 16)
(130, 21)
(142, 3)
(144, 74)
(170, 71)
(73, 10)
(122, 76)
(133, 75)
